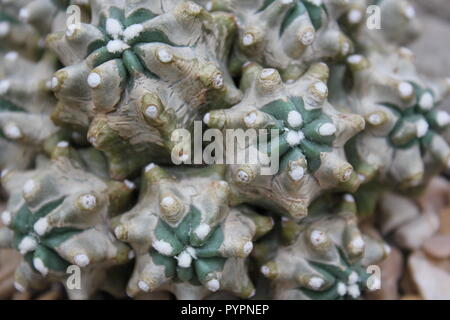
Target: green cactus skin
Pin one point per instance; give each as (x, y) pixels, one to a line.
(25, 105)
(288, 35)
(403, 123)
(186, 238)
(312, 136)
(132, 79)
(324, 257)
(58, 217)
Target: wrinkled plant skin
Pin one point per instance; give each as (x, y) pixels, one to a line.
(325, 257)
(288, 35)
(186, 237)
(312, 134)
(90, 105)
(134, 75)
(57, 216)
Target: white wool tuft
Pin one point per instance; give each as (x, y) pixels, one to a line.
(341, 289)
(62, 144)
(81, 260)
(184, 259)
(12, 131)
(243, 176)
(318, 237)
(116, 46)
(353, 291)
(71, 29)
(250, 118)
(54, 82)
(213, 285)
(94, 80)
(321, 87)
(265, 270)
(442, 118)
(387, 249)
(345, 48)
(114, 28)
(151, 111)
(355, 59)
(405, 89)
(218, 81)
(40, 266)
(349, 198)
(19, 287)
(358, 243)
(354, 16)
(164, 55)
(266, 73)
(248, 247)
(27, 244)
(88, 201)
(315, 283)
(167, 201)
(132, 31)
(294, 119)
(191, 251)
(143, 286)
(130, 185)
(307, 38)
(4, 173)
(206, 118)
(327, 129)
(421, 128)
(353, 278)
(5, 27)
(294, 137)
(163, 247)
(410, 12)
(29, 187)
(6, 218)
(24, 14)
(426, 101)
(375, 119)
(248, 39)
(297, 173)
(41, 226)
(11, 56)
(150, 167)
(202, 231)
(4, 86)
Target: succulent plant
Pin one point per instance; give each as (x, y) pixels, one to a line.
(93, 91)
(403, 121)
(134, 75)
(186, 238)
(25, 104)
(288, 35)
(57, 217)
(324, 257)
(311, 136)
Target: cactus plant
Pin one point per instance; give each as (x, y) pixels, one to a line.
(186, 238)
(135, 75)
(310, 144)
(325, 257)
(88, 100)
(57, 216)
